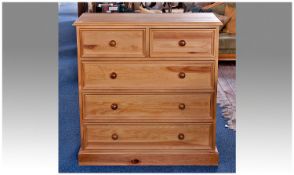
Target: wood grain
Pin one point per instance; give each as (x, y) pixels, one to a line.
(144, 106)
(138, 75)
(143, 99)
(186, 19)
(198, 43)
(148, 136)
(128, 43)
(148, 157)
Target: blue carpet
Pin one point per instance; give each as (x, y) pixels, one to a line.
(69, 138)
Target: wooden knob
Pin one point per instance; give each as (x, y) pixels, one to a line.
(113, 75)
(114, 106)
(182, 75)
(135, 161)
(181, 136)
(112, 43)
(182, 106)
(182, 43)
(114, 136)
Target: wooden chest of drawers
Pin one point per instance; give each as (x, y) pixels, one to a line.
(147, 88)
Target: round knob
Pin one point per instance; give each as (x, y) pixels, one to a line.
(114, 136)
(182, 75)
(181, 136)
(114, 106)
(113, 75)
(182, 106)
(135, 161)
(182, 43)
(112, 43)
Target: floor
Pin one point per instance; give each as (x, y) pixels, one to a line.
(226, 95)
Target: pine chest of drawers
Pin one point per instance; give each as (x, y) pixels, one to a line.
(147, 88)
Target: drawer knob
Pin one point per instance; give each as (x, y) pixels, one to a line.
(181, 136)
(182, 75)
(113, 75)
(135, 161)
(182, 43)
(114, 136)
(114, 106)
(112, 43)
(182, 106)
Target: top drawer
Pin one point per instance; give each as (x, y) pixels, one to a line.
(112, 42)
(182, 43)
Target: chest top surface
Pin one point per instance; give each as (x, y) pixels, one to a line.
(147, 19)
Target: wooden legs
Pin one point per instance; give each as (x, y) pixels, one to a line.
(227, 57)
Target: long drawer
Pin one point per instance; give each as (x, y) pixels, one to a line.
(197, 43)
(147, 75)
(148, 136)
(120, 107)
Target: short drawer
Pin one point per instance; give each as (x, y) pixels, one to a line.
(112, 43)
(138, 75)
(193, 106)
(197, 43)
(148, 136)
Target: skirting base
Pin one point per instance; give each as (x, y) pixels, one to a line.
(148, 157)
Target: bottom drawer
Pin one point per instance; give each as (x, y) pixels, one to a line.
(148, 136)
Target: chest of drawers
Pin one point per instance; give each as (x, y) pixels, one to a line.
(147, 88)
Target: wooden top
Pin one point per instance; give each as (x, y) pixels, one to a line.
(147, 19)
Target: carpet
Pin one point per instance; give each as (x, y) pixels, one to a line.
(226, 92)
(69, 129)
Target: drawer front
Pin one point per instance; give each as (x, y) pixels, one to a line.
(137, 75)
(150, 107)
(182, 43)
(148, 136)
(112, 43)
